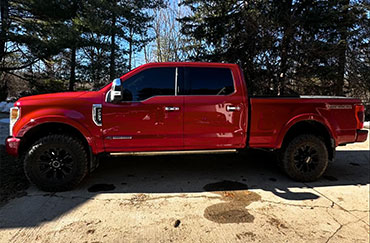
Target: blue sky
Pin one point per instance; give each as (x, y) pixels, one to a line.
(138, 58)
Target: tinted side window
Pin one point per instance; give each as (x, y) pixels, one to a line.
(148, 83)
(208, 81)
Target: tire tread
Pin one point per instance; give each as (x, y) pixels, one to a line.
(74, 144)
(287, 164)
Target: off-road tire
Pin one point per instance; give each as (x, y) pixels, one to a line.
(41, 155)
(300, 166)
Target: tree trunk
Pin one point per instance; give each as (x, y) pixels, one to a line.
(4, 87)
(287, 38)
(342, 47)
(158, 36)
(146, 58)
(72, 79)
(341, 69)
(112, 65)
(4, 26)
(130, 49)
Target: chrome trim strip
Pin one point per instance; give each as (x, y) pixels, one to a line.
(339, 107)
(94, 107)
(176, 74)
(233, 108)
(12, 122)
(119, 137)
(106, 96)
(153, 153)
(324, 97)
(168, 108)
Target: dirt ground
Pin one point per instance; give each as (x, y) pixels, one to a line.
(192, 198)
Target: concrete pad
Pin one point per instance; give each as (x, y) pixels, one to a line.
(199, 198)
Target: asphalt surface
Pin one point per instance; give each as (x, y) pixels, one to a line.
(198, 198)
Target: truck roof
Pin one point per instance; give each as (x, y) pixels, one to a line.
(203, 64)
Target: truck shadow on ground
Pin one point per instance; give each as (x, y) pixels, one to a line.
(182, 174)
(190, 173)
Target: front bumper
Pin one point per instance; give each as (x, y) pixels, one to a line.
(12, 145)
(361, 135)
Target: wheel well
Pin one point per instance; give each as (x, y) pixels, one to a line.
(311, 127)
(45, 129)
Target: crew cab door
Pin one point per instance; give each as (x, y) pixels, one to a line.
(215, 111)
(150, 116)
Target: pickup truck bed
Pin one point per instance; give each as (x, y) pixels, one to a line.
(271, 118)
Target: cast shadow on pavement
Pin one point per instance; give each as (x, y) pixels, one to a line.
(182, 174)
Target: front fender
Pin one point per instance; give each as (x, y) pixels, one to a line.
(305, 117)
(72, 118)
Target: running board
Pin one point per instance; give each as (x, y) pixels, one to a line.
(220, 151)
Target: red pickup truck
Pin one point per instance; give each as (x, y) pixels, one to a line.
(176, 107)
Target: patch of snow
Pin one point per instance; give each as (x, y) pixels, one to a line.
(5, 107)
(2, 104)
(367, 124)
(5, 120)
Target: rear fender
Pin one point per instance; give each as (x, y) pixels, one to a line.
(305, 117)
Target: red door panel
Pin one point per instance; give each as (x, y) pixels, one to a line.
(153, 124)
(215, 112)
(212, 122)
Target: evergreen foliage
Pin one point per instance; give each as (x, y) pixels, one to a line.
(284, 47)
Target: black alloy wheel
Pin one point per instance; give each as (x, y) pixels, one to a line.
(56, 163)
(305, 158)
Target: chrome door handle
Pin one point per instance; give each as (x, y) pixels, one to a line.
(170, 108)
(233, 108)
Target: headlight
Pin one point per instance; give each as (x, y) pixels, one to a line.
(15, 113)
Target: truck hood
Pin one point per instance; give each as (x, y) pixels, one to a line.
(62, 95)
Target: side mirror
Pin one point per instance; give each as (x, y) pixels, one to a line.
(126, 95)
(116, 91)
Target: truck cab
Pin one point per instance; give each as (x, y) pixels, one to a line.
(171, 107)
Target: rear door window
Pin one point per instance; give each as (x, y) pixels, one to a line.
(208, 81)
